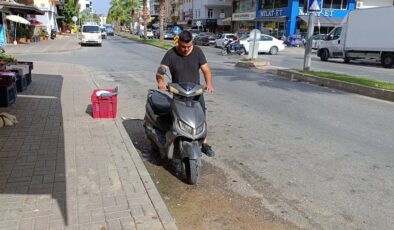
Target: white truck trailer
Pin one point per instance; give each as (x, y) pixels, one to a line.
(363, 34)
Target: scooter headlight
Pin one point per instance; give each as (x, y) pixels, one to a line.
(185, 127)
(200, 129)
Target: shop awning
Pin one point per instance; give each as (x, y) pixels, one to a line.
(21, 8)
(227, 19)
(272, 19)
(324, 21)
(18, 19)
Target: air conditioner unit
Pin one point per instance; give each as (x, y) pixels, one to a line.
(359, 5)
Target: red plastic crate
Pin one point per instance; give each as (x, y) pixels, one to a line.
(104, 106)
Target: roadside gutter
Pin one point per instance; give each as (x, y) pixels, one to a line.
(336, 84)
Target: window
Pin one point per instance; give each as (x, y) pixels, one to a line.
(335, 4)
(90, 29)
(301, 3)
(247, 6)
(210, 13)
(265, 38)
(335, 34)
(270, 4)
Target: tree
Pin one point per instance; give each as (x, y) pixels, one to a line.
(70, 9)
(87, 16)
(161, 18)
(121, 12)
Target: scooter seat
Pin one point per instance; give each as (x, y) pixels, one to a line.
(160, 102)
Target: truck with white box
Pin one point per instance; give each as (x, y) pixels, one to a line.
(363, 34)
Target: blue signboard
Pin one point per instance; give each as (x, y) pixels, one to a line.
(2, 35)
(315, 5)
(176, 30)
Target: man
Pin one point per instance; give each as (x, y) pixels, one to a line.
(234, 43)
(185, 62)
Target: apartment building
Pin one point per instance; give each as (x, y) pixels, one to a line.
(85, 4)
(49, 19)
(209, 14)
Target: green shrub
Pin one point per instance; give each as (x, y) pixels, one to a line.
(7, 57)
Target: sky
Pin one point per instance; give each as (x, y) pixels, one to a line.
(101, 6)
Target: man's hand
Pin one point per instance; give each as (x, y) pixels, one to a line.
(209, 89)
(162, 85)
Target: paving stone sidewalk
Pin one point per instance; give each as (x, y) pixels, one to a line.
(59, 44)
(62, 169)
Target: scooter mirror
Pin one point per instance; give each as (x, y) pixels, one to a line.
(162, 70)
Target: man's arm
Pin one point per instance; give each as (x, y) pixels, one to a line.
(160, 77)
(208, 77)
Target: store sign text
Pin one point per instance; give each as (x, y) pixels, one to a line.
(323, 13)
(272, 13)
(243, 16)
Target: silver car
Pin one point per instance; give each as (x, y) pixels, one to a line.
(223, 38)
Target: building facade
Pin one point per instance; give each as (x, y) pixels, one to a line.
(244, 15)
(283, 17)
(84, 4)
(210, 14)
(287, 17)
(49, 19)
(362, 4)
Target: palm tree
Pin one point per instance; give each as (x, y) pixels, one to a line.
(145, 17)
(161, 17)
(122, 11)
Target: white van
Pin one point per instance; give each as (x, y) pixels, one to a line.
(91, 35)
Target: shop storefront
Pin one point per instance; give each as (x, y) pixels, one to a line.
(244, 15)
(285, 18)
(243, 21)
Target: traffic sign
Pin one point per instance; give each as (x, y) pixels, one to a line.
(74, 18)
(315, 5)
(198, 23)
(176, 30)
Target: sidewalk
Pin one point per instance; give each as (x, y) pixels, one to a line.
(59, 44)
(62, 169)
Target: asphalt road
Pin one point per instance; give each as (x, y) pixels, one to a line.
(320, 158)
(293, 57)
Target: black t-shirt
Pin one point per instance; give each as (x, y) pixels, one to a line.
(184, 68)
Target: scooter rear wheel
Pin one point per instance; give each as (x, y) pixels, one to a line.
(192, 170)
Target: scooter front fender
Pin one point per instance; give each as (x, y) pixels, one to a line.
(190, 149)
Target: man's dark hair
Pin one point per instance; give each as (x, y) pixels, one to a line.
(185, 36)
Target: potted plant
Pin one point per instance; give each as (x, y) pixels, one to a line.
(21, 35)
(43, 34)
(8, 58)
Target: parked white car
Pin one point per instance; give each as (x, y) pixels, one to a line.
(267, 44)
(223, 38)
(149, 34)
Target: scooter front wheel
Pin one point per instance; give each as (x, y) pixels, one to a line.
(192, 170)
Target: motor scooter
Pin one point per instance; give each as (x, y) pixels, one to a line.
(53, 33)
(175, 125)
(229, 49)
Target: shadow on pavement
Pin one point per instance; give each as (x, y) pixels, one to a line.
(265, 79)
(32, 156)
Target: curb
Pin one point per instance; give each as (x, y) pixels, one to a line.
(154, 195)
(341, 85)
(252, 64)
(157, 201)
